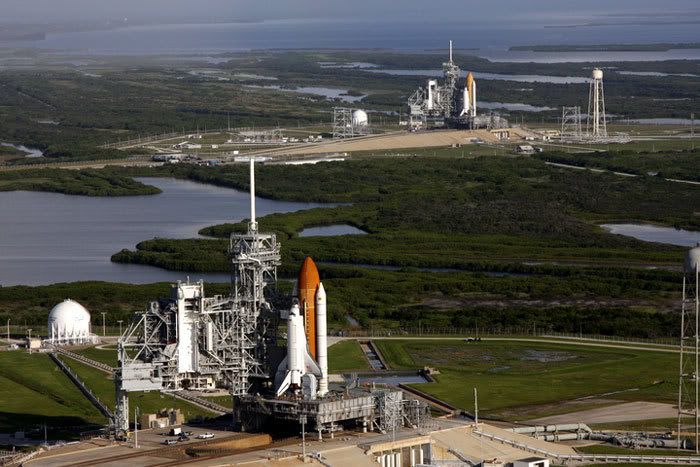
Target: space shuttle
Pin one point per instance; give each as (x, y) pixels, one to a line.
(307, 342)
(469, 97)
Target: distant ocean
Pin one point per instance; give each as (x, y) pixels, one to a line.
(492, 39)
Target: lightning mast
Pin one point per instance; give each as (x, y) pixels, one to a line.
(254, 257)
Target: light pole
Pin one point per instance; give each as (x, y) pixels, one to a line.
(103, 324)
(120, 326)
(8, 330)
(136, 427)
(303, 438)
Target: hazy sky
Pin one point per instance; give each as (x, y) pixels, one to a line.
(437, 10)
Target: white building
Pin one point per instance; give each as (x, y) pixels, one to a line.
(69, 324)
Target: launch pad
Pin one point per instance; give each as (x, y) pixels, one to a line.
(193, 342)
(447, 105)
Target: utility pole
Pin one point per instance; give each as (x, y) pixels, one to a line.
(104, 333)
(136, 427)
(476, 408)
(8, 330)
(120, 326)
(303, 438)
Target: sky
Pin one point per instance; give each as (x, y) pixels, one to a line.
(50, 11)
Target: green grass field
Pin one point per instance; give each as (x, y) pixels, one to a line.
(33, 390)
(346, 356)
(108, 355)
(520, 374)
(103, 386)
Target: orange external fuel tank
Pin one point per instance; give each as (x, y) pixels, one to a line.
(470, 83)
(307, 286)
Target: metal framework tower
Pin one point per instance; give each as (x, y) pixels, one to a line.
(596, 121)
(449, 91)
(255, 257)
(571, 123)
(342, 122)
(688, 384)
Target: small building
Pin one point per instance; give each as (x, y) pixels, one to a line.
(532, 462)
(162, 419)
(33, 343)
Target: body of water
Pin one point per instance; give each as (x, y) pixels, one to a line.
(331, 230)
(486, 37)
(657, 74)
(31, 152)
(49, 237)
(328, 93)
(653, 233)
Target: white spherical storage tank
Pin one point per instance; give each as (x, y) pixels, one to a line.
(359, 118)
(597, 73)
(69, 323)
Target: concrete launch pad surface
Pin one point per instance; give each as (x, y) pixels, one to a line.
(628, 411)
(397, 140)
(346, 449)
(151, 451)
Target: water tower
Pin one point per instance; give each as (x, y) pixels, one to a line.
(689, 385)
(597, 127)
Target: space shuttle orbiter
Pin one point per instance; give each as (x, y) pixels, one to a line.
(298, 361)
(307, 342)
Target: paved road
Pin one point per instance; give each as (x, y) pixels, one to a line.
(629, 411)
(609, 345)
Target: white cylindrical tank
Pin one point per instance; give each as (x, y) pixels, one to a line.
(69, 322)
(597, 73)
(359, 118)
(322, 339)
(692, 260)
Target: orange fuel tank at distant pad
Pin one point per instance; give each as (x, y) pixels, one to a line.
(307, 286)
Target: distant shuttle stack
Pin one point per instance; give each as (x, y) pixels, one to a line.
(469, 97)
(307, 343)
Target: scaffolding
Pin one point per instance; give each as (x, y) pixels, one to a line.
(349, 123)
(571, 123)
(688, 384)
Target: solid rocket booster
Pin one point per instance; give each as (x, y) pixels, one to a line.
(322, 339)
(306, 287)
(473, 99)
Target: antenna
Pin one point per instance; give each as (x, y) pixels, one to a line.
(450, 51)
(253, 225)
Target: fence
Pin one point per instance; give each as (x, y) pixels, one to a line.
(83, 388)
